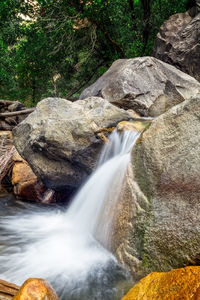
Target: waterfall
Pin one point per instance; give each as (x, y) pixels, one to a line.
(67, 248)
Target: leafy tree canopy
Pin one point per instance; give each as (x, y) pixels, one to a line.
(56, 48)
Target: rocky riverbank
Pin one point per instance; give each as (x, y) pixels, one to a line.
(51, 153)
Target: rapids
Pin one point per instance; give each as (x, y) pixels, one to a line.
(70, 248)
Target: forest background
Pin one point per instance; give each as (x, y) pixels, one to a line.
(57, 48)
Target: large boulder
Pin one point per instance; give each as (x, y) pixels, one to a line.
(145, 84)
(59, 139)
(157, 227)
(179, 284)
(178, 42)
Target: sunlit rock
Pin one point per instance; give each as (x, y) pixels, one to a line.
(179, 284)
(36, 289)
(25, 182)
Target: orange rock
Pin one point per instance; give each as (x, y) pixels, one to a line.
(25, 182)
(36, 289)
(22, 173)
(178, 284)
(17, 158)
(138, 125)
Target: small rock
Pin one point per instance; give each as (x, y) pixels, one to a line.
(36, 289)
(179, 284)
(25, 182)
(22, 173)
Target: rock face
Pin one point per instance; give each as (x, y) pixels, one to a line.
(145, 84)
(59, 138)
(158, 225)
(180, 284)
(178, 42)
(36, 289)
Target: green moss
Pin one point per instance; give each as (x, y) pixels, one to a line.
(141, 176)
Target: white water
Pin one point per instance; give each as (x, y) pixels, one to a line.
(62, 247)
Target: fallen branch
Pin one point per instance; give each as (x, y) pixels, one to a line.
(17, 113)
(6, 162)
(48, 196)
(83, 83)
(8, 290)
(6, 127)
(7, 102)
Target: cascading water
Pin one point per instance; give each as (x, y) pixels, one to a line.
(65, 247)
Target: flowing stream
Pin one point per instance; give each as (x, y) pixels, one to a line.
(70, 248)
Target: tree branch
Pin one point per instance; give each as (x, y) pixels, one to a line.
(80, 7)
(83, 83)
(17, 113)
(6, 102)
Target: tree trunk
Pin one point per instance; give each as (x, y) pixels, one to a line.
(7, 290)
(16, 113)
(147, 13)
(132, 11)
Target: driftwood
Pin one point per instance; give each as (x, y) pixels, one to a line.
(7, 290)
(5, 126)
(12, 113)
(6, 102)
(6, 162)
(48, 196)
(16, 113)
(7, 151)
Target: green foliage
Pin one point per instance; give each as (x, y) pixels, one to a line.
(56, 48)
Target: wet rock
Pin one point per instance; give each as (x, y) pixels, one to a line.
(160, 201)
(178, 44)
(145, 84)
(179, 284)
(137, 125)
(36, 289)
(60, 141)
